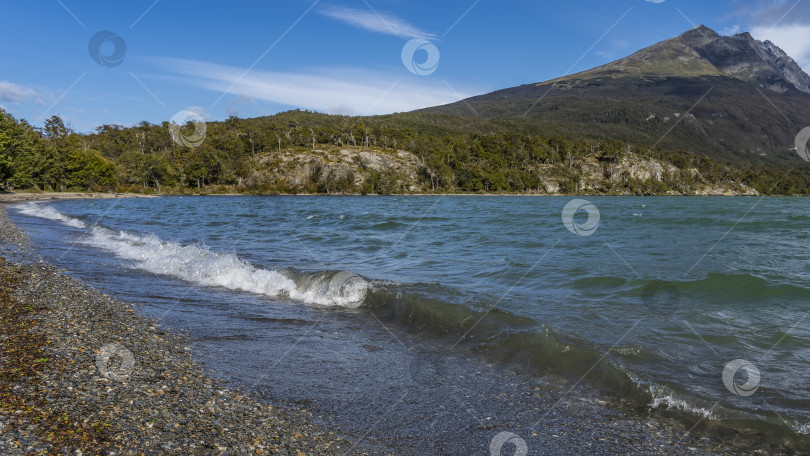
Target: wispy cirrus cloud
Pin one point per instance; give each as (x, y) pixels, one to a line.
(16, 93)
(375, 22)
(332, 90)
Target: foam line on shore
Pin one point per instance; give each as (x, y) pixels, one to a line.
(198, 264)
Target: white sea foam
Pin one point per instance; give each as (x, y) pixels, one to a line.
(801, 428)
(41, 210)
(664, 397)
(199, 265)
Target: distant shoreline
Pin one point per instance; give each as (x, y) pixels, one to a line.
(25, 196)
(50, 196)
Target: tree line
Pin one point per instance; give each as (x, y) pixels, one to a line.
(455, 154)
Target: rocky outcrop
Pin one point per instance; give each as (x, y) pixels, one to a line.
(338, 170)
(634, 174)
(356, 170)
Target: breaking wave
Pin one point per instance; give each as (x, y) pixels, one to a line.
(198, 264)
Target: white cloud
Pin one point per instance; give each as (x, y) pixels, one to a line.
(15, 93)
(772, 12)
(794, 39)
(200, 111)
(333, 91)
(729, 31)
(379, 23)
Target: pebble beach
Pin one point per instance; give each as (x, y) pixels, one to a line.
(83, 373)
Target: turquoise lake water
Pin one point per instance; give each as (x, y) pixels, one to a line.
(693, 308)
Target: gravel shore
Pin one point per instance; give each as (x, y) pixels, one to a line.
(82, 373)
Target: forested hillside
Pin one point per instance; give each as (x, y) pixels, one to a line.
(304, 152)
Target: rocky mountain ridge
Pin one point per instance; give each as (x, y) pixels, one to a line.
(703, 52)
(761, 63)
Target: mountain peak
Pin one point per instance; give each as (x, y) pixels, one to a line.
(743, 57)
(698, 36)
(701, 30)
(701, 51)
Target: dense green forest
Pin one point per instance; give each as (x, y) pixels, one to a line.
(455, 154)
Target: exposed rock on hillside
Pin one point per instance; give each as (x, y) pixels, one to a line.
(350, 170)
(368, 170)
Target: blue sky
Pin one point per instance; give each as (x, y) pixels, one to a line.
(253, 58)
